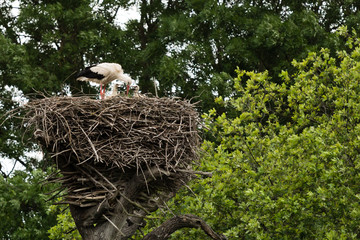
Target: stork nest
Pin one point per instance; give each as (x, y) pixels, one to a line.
(101, 145)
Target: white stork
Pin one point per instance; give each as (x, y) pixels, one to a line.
(103, 74)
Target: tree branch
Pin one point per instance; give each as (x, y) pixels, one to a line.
(165, 230)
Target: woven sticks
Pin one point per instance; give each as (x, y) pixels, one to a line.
(99, 146)
(126, 132)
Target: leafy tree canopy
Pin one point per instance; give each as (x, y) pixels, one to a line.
(287, 166)
(24, 211)
(190, 47)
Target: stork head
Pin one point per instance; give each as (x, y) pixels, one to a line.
(136, 88)
(130, 82)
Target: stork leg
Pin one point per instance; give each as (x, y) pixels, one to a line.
(104, 88)
(127, 89)
(101, 94)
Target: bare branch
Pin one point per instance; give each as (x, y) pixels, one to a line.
(165, 230)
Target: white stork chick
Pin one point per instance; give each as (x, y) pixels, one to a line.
(114, 91)
(103, 74)
(136, 91)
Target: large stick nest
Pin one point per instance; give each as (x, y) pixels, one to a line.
(100, 145)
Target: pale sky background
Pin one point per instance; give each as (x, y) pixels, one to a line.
(123, 16)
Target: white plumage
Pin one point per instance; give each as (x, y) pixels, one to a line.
(103, 74)
(114, 91)
(136, 92)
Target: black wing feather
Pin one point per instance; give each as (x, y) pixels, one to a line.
(89, 74)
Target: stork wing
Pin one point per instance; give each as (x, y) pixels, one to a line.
(91, 74)
(98, 73)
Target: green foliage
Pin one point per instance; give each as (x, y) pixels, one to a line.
(60, 36)
(24, 210)
(287, 166)
(65, 227)
(207, 40)
(190, 47)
